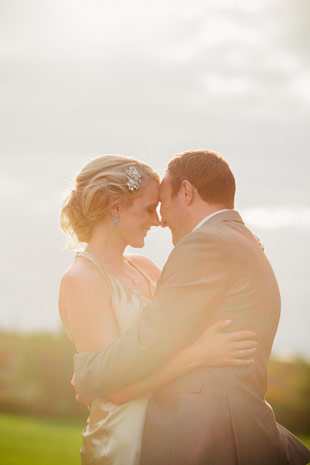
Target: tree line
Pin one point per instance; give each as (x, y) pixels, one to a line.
(36, 369)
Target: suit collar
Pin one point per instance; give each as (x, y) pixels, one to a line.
(221, 217)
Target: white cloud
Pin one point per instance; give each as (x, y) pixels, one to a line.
(223, 85)
(300, 85)
(275, 218)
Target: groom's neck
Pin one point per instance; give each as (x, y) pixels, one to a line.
(203, 210)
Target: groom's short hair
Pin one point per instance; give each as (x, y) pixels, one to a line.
(208, 172)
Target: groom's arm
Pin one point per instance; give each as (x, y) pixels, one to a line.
(192, 284)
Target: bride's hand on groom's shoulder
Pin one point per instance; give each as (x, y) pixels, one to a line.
(217, 348)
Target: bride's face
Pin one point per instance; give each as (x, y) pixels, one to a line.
(140, 215)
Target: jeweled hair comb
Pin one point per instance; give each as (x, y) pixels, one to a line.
(134, 178)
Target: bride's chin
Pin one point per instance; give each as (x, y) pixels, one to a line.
(137, 244)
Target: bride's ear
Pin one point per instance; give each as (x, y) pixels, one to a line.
(114, 205)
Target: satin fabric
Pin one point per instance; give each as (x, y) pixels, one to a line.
(113, 434)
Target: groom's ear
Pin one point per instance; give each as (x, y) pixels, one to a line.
(187, 192)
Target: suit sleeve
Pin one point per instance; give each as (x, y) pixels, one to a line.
(191, 287)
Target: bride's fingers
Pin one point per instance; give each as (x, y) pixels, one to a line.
(80, 399)
(241, 362)
(244, 353)
(239, 345)
(220, 325)
(245, 334)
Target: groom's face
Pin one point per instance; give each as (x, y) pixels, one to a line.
(171, 210)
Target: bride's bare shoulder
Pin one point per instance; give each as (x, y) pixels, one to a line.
(85, 306)
(81, 275)
(147, 265)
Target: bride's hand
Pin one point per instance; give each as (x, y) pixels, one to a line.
(216, 348)
(78, 396)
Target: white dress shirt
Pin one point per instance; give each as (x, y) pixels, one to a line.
(210, 216)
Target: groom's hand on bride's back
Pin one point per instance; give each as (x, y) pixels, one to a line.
(217, 348)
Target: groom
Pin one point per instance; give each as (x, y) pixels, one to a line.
(216, 271)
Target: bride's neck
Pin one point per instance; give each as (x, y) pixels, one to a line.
(108, 247)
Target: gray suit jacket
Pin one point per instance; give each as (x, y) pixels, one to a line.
(216, 272)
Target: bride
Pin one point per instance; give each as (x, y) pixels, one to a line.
(104, 293)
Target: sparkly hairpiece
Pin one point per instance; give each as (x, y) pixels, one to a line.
(134, 178)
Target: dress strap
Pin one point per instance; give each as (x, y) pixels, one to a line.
(93, 260)
(144, 274)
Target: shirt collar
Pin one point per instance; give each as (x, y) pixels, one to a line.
(208, 217)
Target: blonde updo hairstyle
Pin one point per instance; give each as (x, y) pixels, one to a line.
(103, 177)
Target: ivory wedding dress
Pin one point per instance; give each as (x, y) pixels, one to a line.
(113, 434)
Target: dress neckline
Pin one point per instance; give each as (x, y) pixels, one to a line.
(103, 270)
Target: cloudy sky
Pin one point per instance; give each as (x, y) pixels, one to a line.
(150, 79)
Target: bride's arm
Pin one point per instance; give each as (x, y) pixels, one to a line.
(213, 348)
(147, 266)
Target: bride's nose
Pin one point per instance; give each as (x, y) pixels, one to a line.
(163, 223)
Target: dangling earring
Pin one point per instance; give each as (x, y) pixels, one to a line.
(115, 220)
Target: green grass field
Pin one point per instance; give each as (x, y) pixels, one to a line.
(35, 441)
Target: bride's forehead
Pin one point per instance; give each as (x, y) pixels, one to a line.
(149, 193)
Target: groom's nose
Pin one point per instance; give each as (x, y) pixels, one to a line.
(155, 220)
(163, 223)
